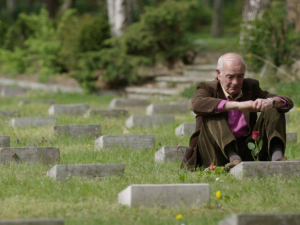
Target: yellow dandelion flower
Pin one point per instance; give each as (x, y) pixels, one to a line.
(178, 217)
(249, 55)
(88, 145)
(218, 194)
(298, 109)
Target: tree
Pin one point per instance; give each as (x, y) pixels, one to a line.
(52, 6)
(67, 4)
(11, 5)
(119, 16)
(293, 13)
(217, 18)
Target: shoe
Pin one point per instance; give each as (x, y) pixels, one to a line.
(233, 163)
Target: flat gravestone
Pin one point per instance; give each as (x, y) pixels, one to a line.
(107, 112)
(150, 195)
(262, 219)
(170, 153)
(167, 108)
(9, 113)
(93, 130)
(47, 155)
(12, 91)
(26, 102)
(148, 121)
(290, 137)
(61, 172)
(33, 122)
(76, 109)
(139, 142)
(128, 102)
(262, 169)
(185, 129)
(4, 141)
(44, 221)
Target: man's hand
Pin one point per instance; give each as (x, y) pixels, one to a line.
(262, 104)
(250, 106)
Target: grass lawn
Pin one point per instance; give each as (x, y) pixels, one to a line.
(25, 191)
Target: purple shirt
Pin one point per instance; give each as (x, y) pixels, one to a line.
(236, 119)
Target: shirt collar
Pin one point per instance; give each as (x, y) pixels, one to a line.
(228, 96)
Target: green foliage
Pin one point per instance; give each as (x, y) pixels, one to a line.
(13, 62)
(189, 92)
(271, 38)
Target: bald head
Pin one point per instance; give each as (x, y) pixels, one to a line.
(229, 59)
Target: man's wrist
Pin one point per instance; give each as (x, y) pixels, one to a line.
(273, 101)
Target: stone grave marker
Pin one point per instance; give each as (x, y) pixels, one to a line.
(170, 153)
(34, 122)
(148, 121)
(43, 221)
(185, 129)
(287, 118)
(12, 91)
(26, 102)
(47, 155)
(167, 108)
(150, 195)
(107, 112)
(265, 168)
(9, 113)
(292, 136)
(128, 102)
(138, 142)
(78, 130)
(75, 109)
(262, 219)
(61, 172)
(4, 141)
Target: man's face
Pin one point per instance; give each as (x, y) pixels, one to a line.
(232, 76)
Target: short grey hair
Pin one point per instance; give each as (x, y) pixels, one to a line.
(221, 62)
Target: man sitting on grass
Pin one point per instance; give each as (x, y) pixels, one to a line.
(226, 115)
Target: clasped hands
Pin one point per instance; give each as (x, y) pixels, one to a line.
(259, 105)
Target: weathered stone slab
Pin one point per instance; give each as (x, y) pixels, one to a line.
(61, 172)
(78, 130)
(262, 169)
(150, 195)
(262, 219)
(290, 137)
(76, 109)
(140, 142)
(167, 108)
(287, 118)
(148, 121)
(26, 102)
(107, 112)
(12, 91)
(4, 141)
(47, 155)
(34, 122)
(185, 129)
(170, 153)
(128, 102)
(9, 113)
(44, 221)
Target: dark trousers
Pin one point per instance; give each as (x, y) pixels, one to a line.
(215, 135)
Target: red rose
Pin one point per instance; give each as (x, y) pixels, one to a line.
(212, 167)
(255, 134)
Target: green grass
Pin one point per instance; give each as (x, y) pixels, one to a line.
(25, 191)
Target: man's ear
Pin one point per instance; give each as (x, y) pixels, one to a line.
(218, 73)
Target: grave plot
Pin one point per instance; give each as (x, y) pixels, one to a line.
(93, 130)
(44, 221)
(128, 102)
(170, 153)
(33, 122)
(262, 219)
(148, 121)
(12, 91)
(138, 142)
(47, 155)
(185, 129)
(263, 168)
(61, 172)
(9, 113)
(26, 102)
(150, 195)
(292, 136)
(107, 112)
(4, 141)
(76, 109)
(167, 108)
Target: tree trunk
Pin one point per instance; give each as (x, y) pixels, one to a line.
(66, 5)
(253, 9)
(30, 3)
(51, 6)
(217, 18)
(118, 16)
(11, 5)
(293, 13)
